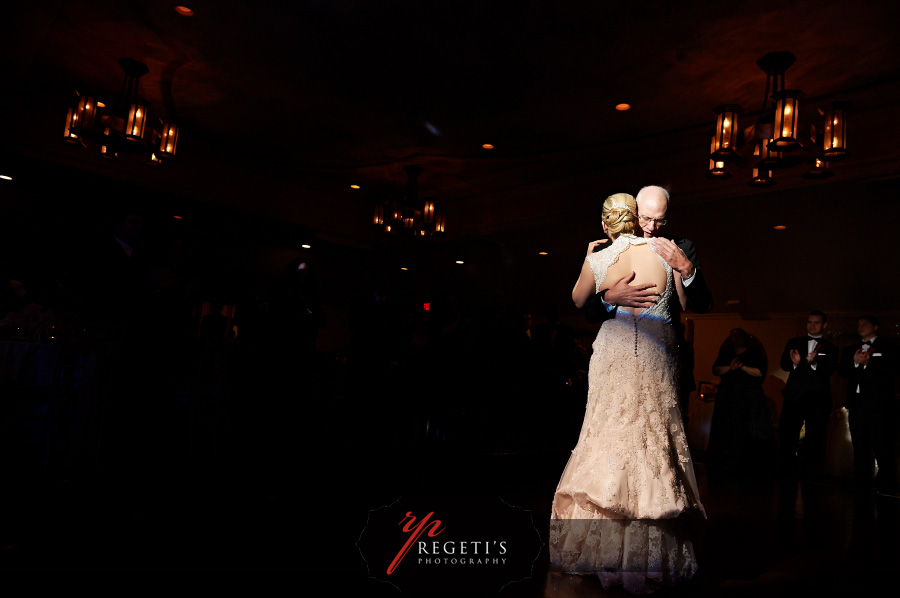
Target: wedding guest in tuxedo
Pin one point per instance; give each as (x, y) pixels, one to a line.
(870, 367)
(680, 253)
(810, 361)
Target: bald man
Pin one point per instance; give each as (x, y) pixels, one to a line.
(653, 204)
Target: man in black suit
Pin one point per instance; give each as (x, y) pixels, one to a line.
(870, 367)
(810, 361)
(653, 204)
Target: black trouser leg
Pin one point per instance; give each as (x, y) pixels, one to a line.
(818, 413)
(863, 455)
(884, 443)
(789, 426)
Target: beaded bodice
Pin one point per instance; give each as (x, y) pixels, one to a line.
(601, 261)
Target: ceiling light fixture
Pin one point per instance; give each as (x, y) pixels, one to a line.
(184, 11)
(127, 127)
(819, 171)
(623, 107)
(717, 168)
(487, 146)
(5, 177)
(354, 186)
(407, 214)
(776, 138)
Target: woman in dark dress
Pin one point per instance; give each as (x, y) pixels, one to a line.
(741, 431)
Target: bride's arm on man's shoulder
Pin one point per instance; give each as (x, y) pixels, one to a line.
(584, 286)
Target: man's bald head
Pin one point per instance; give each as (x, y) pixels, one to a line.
(653, 203)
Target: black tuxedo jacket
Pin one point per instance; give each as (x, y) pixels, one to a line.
(804, 380)
(875, 381)
(699, 297)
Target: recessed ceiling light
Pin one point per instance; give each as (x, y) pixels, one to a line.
(779, 227)
(404, 268)
(542, 253)
(487, 146)
(623, 107)
(460, 262)
(305, 246)
(354, 186)
(177, 217)
(184, 11)
(5, 177)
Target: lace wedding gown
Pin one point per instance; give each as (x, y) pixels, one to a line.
(630, 475)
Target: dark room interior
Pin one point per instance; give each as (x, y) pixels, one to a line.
(269, 266)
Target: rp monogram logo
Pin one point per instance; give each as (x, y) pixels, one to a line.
(415, 532)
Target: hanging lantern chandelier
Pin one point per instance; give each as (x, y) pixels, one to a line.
(716, 167)
(834, 142)
(725, 141)
(125, 128)
(776, 138)
(407, 214)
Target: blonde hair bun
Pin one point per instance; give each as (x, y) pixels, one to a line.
(620, 214)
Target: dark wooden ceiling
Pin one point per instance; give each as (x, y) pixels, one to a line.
(284, 105)
(298, 100)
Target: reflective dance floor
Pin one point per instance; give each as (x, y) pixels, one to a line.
(294, 527)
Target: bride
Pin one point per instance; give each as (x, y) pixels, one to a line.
(629, 483)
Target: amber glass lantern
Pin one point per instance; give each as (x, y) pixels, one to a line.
(819, 171)
(440, 221)
(378, 218)
(717, 169)
(834, 143)
(409, 220)
(168, 142)
(787, 107)
(106, 148)
(395, 212)
(428, 211)
(767, 157)
(725, 139)
(68, 134)
(761, 178)
(137, 120)
(83, 118)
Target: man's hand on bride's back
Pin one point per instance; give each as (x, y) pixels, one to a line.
(621, 293)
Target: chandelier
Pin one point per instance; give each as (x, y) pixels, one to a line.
(407, 214)
(126, 127)
(776, 140)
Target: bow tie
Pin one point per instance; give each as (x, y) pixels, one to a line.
(814, 338)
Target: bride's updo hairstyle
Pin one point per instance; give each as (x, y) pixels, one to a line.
(620, 214)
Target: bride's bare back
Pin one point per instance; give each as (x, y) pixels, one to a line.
(646, 266)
